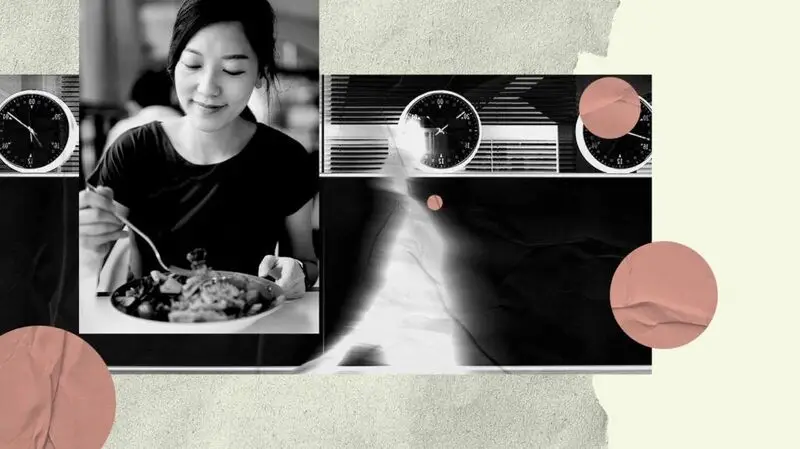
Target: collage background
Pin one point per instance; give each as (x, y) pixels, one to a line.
(721, 186)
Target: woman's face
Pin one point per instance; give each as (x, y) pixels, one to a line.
(215, 75)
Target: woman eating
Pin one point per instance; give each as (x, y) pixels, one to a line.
(210, 179)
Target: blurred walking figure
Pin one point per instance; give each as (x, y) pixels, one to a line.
(406, 321)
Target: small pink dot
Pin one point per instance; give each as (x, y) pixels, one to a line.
(435, 202)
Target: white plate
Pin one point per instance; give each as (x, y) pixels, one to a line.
(214, 327)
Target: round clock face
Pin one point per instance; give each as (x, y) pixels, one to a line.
(626, 154)
(450, 130)
(36, 132)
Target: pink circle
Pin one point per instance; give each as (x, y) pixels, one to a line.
(663, 295)
(56, 391)
(435, 202)
(609, 108)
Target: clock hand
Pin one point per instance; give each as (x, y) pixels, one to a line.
(641, 137)
(441, 130)
(431, 121)
(32, 133)
(30, 130)
(20, 122)
(37, 140)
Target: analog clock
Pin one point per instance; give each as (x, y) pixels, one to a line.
(38, 132)
(626, 154)
(449, 127)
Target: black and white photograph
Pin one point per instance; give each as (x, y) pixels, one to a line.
(39, 125)
(478, 125)
(461, 233)
(200, 131)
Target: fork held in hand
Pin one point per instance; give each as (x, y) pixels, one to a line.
(172, 269)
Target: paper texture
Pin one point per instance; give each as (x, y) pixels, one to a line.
(455, 36)
(39, 37)
(355, 411)
(717, 149)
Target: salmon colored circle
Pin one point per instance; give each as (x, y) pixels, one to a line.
(609, 107)
(663, 295)
(435, 202)
(56, 391)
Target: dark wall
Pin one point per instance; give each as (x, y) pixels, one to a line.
(39, 256)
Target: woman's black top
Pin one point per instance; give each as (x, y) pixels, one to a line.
(234, 209)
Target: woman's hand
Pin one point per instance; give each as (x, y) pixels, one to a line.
(287, 273)
(99, 226)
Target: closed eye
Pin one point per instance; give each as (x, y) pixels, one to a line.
(197, 67)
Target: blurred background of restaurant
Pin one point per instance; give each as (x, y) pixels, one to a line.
(122, 40)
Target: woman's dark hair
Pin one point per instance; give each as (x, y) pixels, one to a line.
(248, 115)
(256, 16)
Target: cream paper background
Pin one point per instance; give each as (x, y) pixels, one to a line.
(39, 37)
(725, 79)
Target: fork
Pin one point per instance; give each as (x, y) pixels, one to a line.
(171, 268)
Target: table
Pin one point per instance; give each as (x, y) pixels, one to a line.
(98, 316)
